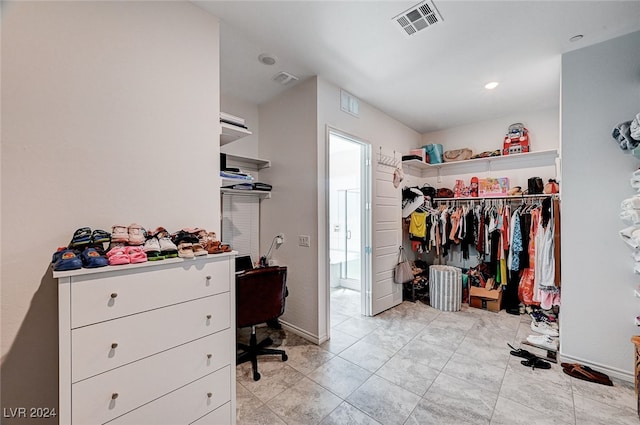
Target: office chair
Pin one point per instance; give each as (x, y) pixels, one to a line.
(260, 295)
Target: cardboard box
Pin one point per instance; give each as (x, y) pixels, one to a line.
(485, 299)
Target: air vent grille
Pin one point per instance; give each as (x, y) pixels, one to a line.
(418, 17)
(284, 78)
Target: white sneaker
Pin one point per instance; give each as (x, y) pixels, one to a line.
(544, 328)
(545, 341)
(152, 249)
(168, 248)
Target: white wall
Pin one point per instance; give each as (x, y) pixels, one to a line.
(248, 145)
(109, 113)
(288, 139)
(600, 88)
(381, 132)
(293, 136)
(544, 134)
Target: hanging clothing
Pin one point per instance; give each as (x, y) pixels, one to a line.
(418, 225)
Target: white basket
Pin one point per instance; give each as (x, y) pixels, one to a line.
(445, 287)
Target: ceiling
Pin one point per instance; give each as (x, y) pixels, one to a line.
(429, 81)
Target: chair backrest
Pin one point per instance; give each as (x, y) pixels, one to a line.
(260, 295)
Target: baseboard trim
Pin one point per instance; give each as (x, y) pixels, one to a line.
(623, 375)
(301, 332)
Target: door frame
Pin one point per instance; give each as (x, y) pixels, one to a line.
(366, 177)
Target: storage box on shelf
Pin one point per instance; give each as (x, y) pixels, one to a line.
(148, 343)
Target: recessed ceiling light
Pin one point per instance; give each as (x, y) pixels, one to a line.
(575, 38)
(267, 59)
(492, 85)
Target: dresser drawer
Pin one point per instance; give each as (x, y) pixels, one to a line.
(186, 404)
(99, 297)
(220, 416)
(137, 383)
(107, 345)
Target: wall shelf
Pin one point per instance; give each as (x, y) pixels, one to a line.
(263, 194)
(521, 160)
(231, 133)
(258, 163)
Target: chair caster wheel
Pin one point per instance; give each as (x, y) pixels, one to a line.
(256, 376)
(285, 357)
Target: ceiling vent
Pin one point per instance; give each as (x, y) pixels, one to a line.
(417, 18)
(284, 78)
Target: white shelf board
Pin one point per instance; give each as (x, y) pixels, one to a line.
(546, 157)
(259, 163)
(244, 192)
(231, 133)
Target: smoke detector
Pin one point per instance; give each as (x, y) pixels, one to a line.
(284, 78)
(418, 17)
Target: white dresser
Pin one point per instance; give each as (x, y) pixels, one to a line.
(150, 343)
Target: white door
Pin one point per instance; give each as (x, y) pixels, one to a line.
(387, 237)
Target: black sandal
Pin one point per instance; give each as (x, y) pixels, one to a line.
(519, 352)
(536, 362)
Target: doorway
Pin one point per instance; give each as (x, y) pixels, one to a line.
(349, 227)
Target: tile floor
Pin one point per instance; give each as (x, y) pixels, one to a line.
(416, 365)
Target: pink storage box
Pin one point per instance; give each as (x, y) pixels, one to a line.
(419, 152)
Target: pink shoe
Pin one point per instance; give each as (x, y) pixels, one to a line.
(119, 233)
(136, 234)
(118, 256)
(136, 254)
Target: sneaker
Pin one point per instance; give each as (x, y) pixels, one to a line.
(167, 248)
(544, 328)
(152, 249)
(544, 341)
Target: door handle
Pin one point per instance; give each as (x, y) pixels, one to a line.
(348, 234)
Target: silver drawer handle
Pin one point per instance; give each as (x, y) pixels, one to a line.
(209, 395)
(114, 396)
(114, 295)
(114, 345)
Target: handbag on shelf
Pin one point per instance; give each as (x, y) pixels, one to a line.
(457, 155)
(402, 272)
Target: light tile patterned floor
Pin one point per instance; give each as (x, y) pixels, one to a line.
(416, 365)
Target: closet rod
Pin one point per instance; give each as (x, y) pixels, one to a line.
(515, 197)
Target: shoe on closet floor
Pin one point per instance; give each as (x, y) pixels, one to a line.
(536, 362)
(544, 328)
(544, 341)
